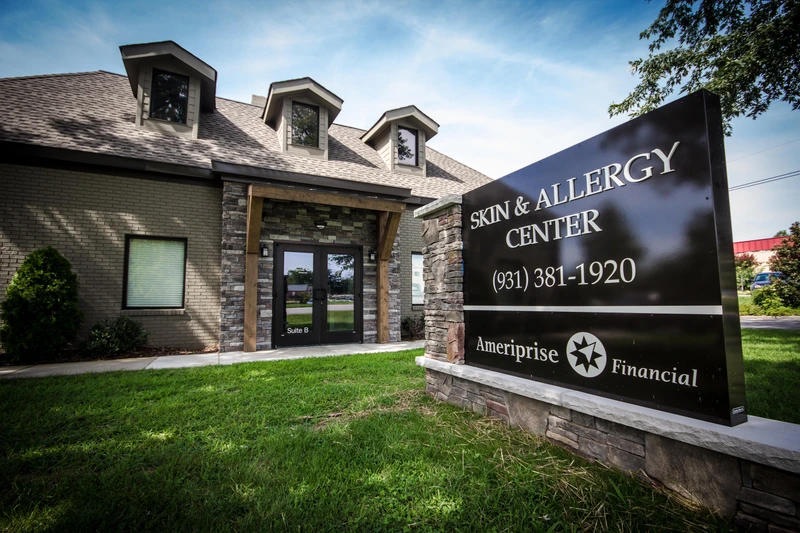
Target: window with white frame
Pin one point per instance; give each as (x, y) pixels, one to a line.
(155, 272)
(417, 282)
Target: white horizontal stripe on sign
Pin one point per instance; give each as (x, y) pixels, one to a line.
(616, 309)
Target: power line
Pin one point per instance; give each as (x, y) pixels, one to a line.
(779, 177)
(762, 151)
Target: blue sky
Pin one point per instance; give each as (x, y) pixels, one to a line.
(509, 83)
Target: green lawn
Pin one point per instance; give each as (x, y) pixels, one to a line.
(772, 373)
(335, 444)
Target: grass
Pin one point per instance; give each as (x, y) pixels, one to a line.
(772, 373)
(337, 320)
(347, 443)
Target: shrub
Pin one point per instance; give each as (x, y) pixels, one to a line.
(412, 328)
(788, 290)
(115, 336)
(748, 308)
(770, 302)
(40, 313)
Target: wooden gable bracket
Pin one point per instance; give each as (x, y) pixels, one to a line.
(388, 223)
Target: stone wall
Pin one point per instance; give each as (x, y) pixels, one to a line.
(761, 497)
(444, 278)
(284, 221)
(86, 216)
(750, 473)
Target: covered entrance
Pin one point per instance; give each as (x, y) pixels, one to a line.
(328, 315)
(318, 295)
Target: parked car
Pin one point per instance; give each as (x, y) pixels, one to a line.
(765, 278)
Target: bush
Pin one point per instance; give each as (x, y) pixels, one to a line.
(788, 290)
(769, 301)
(748, 308)
(40, 313)
(412, 328)
(115, 336)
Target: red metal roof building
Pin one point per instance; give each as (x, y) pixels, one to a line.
(756, 245)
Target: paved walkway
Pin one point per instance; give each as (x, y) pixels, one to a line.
(185, 361)
(771, 322)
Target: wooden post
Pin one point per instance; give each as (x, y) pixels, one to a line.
(255, 206)
(388, 222)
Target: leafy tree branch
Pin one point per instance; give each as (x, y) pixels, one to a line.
(746, 51)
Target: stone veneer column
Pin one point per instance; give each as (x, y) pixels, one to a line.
(444, 278)
(234, 232)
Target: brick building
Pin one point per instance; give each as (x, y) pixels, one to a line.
(201, 216)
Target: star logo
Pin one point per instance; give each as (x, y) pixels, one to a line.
(586, 354)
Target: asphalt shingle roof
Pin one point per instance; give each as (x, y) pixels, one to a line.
(94, 112)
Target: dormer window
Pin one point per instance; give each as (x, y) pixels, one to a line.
(172, 87)
(407, 146)
(300, 112)
(399, 137)
(305, 124)
(169, 99)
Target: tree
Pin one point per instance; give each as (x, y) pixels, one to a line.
(746, 51)
(40, 313)
(745, 269)
(787, 254)
(299, 276)
(787, 260)
(782, 233)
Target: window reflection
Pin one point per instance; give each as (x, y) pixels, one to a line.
(407, 146)
(169, 98)
(341, 292)
(417, 281)
(298, 285)
(305, 124)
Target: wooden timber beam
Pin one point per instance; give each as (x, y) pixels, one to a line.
(387, 228)
(255, 206)
(316, 197)
(388, 222)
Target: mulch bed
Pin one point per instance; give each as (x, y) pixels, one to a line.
(77, 356)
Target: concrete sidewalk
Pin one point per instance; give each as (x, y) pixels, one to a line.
(186, 361)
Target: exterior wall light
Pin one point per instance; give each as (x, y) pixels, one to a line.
(372, 255)
(264, 250)
(320, 224)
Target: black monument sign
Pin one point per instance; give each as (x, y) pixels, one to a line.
(608, 267)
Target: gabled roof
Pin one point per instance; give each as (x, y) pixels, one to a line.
(94, 114)
(306, 87)
(410, 113)
(134, 54)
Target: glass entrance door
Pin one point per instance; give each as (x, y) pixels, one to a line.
(317, 295)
